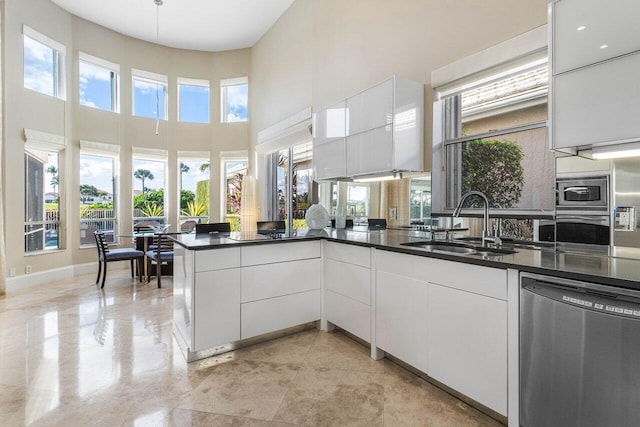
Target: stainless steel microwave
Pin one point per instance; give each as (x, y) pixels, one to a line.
(587, 193)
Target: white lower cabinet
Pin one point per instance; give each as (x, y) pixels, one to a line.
(467, 344)
(217, 308)
(348, 288)
(401, 318)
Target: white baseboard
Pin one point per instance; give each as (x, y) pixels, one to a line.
(40, 278)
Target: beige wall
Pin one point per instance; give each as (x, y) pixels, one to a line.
(27, 109)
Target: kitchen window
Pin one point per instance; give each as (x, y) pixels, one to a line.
(193, 100)
(234, 170)
(495, 138)
(234, 100)
(99, 83)
(293, 189)
(44, 64)
(149, 94)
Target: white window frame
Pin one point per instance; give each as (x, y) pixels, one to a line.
(47, 142)
(224, 84)
(100, 149)
(115, 79)
(183, 81)
(154, 78)
(59, 57)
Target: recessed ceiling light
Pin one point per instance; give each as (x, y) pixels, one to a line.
(581, 27)
(604, 46)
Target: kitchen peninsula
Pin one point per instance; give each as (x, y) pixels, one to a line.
(453, 317)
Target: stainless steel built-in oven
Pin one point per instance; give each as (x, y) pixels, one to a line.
(586, 193)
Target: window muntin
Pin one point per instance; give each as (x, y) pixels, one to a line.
(148, 190)
(193, 101)
(234, 173)
(194, 185)
(42, 200)
(43, 62)
(97, 194)
(149, 95)
(98, 84)
(234, 100)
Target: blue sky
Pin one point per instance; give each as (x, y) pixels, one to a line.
(237, 101)
(38, 66)
(95, 86)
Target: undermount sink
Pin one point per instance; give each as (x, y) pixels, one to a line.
(459, 248)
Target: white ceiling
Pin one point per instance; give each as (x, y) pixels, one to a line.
(210, 25)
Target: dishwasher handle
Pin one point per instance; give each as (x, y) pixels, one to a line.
(604, 301)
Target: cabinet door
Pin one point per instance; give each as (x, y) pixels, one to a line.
(401, 318)
(370, 151)
(329, 124)
(274, 280)
(597, 103)
(350, 280)
(370, 109)
(217, 308)
(349, 314)
(467, 344)
(330, 159)
(601, 23)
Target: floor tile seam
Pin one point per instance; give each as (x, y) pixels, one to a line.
(306, 354)
(361, 371)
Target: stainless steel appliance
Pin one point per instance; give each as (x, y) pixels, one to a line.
(588, 194)
(582, 212)
(579, 353)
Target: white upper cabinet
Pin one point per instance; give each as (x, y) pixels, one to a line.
(596, 64)
(383, 129)
(371, 108)
(597, 104)
(589, 31)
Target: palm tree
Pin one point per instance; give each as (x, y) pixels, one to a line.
(55, 180)
(204, 167)
(143, 174)
(183, 169)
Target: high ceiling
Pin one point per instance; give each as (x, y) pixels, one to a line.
(210, 25)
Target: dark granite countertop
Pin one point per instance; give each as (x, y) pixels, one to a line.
(620, 271)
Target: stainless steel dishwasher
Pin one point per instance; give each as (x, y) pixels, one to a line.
(579, 353)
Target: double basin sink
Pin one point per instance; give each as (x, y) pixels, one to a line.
(459, 248)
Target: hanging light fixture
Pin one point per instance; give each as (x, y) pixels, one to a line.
(158, 3)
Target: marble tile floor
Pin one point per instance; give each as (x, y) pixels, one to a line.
(72, 354)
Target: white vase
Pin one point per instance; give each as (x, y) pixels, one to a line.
(341, 216)
(317, 217)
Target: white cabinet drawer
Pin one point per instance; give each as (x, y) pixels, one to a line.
(349, 280)
(261, 317)
(217, 259)
(481, 280)
(329, 124)
(272, 280)
(370, 151)
(279, 252)
(349, 314)
(597, 104)
(330, 159)
(217, 308)
(604, 24)
(352, 254)
(370, 108)
(467, 344)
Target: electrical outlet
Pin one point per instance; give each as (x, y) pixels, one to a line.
(12, 272)
(27, 269)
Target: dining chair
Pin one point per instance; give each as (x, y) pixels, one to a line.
(213, 227)
(188, 226)
(106, 255)
(161, 255)
(144, 226)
